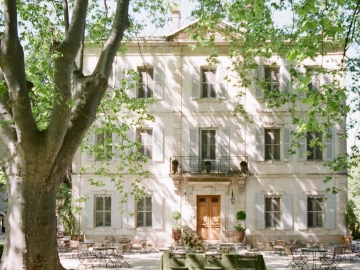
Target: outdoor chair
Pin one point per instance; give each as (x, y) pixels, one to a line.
(178, 255)
(348, 252)
(137, 245)
(332, 260)
(260, 246)
(120, 258)
(86, 258)
(279, 246)
(294, 259)
(248, 258)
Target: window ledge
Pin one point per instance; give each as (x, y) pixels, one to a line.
(208, 100)
(144, 229)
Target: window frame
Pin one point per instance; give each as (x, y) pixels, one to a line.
(145, 213)
(211, 144)
(273, 217)
(147, 149)
(314, 153)
(145, 89)
(313, 214)
(103, 211)
(272, 145)
(212, 85)
(100, 140)
(272, 86)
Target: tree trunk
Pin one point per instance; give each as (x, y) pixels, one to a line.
(30, 241)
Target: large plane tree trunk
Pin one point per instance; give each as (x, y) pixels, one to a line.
(30, 241)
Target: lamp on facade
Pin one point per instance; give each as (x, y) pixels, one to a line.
(232, 199)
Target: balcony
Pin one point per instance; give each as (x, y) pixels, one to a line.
(220, 165)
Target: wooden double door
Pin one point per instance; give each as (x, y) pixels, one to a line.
(208, 217)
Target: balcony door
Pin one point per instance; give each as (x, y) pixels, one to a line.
(208, 217)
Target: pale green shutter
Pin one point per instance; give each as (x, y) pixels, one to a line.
(285, 79)
(159, 82)
(89, 212)
(131, 138)
(287, 211)
(259, 77)
(302, 212)
(330, 146)
(116, 139)
(221, 91)
(157, 212)
(223, 141)
(330, 212)
(158, 143)
(130, 211)
(194, 141)
(115, 211)
(260, 212)
(131, 82)
(302, 149)
(260, 144)
(90, 155)
(286, 143)
(195, 87)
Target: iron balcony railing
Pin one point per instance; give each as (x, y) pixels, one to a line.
(197, 164)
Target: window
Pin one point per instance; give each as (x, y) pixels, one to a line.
(103, 146)
(146, 82)
(314, 150)
(315, 211)
(145, 137)
(272, 78)
(208, 75)
(272, 212)
(103, 211)
(208, 144)
(272, 144)
(314, 84)
(144, 212)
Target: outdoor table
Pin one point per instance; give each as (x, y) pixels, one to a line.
(197, 261)
(103, 254)
(314, 253)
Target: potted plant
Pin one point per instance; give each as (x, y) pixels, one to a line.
(174, 165)
(240, 228)
(207, 166)
(176, 229)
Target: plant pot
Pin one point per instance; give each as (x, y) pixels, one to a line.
(239, 236)
(176, 235)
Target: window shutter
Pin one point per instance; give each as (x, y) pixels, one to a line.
(222, 83)
(223, 141)
(131, 138)
(259, 142)
(330, 212)
(157, 212)
(130, 206)
(286, 143)
(89, 212)
(259, 75)
(302, 212)
(159, 82)
(131, 82)
(302, 94)
(302, 149)
(260, 212)
(116, 139)
(330, 147)
(116, 211)
(119, 75)
(111, 80)
(91, 140)
(158, 144)
(195, 87)
(287, 211)
(285, 79)
(194, 141)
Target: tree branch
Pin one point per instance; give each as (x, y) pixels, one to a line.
(66, 14)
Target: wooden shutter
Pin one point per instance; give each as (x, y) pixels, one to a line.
(260, 144)
(130, 213)
(116, 139)
(89, 212)
(157, 212)
(91, 140)
(285, 78)
(115, 210)
(223, 141)
(158, 143)
(302, 212)
(221, 91)
(195, 87)
(259, 76)
(330, 146)
(287, 211)
(260, 212)
(330, 212)
(286, 143)
(303, 148)
(159, 82)
(194, 141)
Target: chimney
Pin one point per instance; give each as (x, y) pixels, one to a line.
(176, 16)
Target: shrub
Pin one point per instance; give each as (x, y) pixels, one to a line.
(240, 215)
(176, 215)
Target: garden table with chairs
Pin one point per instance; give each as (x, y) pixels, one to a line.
(313, 254)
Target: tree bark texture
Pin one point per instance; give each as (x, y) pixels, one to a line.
(34, 161)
